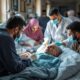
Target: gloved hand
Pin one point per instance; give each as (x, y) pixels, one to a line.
(58, 43)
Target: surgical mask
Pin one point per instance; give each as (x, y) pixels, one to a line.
(77, 39)
(71, 39)
(55, 22)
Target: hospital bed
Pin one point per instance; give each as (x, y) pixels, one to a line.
(68, 69)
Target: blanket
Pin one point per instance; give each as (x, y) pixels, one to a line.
(47, 67)
(44, 68)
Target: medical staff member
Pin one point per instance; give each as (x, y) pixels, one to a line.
(56, 27)
(75, 29)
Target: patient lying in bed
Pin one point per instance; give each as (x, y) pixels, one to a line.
(51, 50)
(54, 50)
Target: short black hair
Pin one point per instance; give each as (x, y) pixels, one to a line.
(75, 26)
(53, 11)
(15, 21)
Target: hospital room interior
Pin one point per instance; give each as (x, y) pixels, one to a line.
(39, 39)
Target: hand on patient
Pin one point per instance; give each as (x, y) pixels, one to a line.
(28, 55)
(54, 50)
(23, 43)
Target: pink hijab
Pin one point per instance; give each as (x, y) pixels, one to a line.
(38, 35)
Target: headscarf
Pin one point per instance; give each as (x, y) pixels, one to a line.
(38, 35)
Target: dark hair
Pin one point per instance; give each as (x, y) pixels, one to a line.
(15, 21)
(75, 26)
(54, 11)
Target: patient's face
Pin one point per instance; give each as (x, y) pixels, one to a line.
(54, 50)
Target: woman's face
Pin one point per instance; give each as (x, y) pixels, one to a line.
(35, 28)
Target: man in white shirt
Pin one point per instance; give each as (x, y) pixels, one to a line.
(56, 27)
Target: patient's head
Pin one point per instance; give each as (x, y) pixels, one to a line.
(54, 50)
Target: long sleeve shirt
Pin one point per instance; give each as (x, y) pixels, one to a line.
(10, 62)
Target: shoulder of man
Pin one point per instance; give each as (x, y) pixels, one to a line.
(49, 23)
(67, 19)
(4, 35)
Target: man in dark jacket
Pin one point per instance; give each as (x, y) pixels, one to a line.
(10, 62)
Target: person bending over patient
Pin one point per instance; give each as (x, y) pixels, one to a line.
(10, 61)
(75, 29)
(34, 31)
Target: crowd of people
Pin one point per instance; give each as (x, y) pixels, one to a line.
(55, 30)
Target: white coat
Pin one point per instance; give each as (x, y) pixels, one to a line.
(57, 33)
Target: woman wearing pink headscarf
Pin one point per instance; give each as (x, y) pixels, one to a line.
(34, 31)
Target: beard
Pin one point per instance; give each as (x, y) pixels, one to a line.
(77, 39)
(16, 36)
